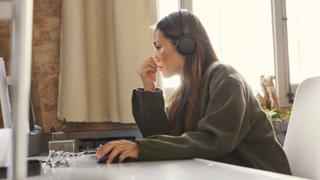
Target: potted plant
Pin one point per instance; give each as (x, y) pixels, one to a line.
(279, 122)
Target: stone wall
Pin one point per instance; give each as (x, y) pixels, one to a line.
(45, 67)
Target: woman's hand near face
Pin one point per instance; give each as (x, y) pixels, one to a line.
(123, 147)
(147, 71)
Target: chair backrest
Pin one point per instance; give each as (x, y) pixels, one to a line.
(302, 145)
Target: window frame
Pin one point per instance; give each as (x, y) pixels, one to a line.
(281, 56)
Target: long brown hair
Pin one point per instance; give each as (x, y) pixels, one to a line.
(195, 67)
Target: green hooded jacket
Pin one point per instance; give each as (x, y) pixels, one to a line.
(233, 128)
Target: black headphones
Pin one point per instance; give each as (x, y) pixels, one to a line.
(186, 44)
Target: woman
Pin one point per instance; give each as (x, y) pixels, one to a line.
(213, 114)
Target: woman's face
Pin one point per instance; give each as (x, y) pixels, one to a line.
(170, 62)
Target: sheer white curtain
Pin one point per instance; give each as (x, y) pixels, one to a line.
(102, 44)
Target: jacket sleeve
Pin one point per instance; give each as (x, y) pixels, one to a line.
(217, 132)
(148, 109)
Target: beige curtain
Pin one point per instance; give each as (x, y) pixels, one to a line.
(102, 44)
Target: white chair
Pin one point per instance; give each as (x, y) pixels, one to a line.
(302, 145)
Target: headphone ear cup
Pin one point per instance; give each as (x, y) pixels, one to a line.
(186, 44)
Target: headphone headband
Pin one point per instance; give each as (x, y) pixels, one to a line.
(185, 44)
(185, 21)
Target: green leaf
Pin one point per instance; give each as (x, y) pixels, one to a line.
(288, 113)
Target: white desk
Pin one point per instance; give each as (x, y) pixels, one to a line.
(85, 167)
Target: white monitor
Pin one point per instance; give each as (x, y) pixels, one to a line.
(4, 95)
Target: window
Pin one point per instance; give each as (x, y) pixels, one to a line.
(303, 39)
(257, 39)
(241, 35)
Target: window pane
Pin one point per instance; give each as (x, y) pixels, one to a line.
(241, 34)
(166, 7)
(303, 39)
